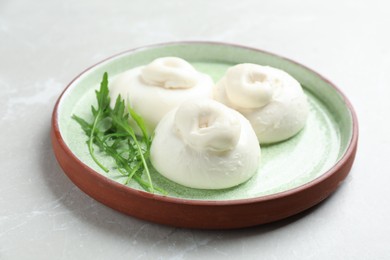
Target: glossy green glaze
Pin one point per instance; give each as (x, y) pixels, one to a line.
(284, 165)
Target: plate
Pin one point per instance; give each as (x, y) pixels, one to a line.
(294, 175)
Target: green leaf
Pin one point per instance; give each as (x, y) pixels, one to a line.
(140, 123)
(84, 125)
(111, 132)
(102, 95)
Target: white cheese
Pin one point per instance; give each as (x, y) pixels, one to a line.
(271, 99)
(155, 89)
(204, 144)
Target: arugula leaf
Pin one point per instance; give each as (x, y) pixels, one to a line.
(103, 104)
(84, 125)
(140, 123)
(111, 132)
(120, 121)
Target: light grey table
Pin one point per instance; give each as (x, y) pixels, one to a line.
(44, 44)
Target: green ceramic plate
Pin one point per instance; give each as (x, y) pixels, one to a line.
(284, 166)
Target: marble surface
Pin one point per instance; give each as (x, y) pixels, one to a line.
(45, 44)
